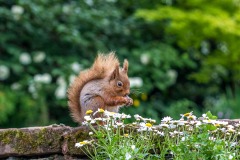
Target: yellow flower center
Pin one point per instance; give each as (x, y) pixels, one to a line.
(136, 102)
(89, 112)
(101, 110)
(186, 114)
(190, 117)
(148, 124)
(217, 125)
(144, 97)
(125, 135)
(83, 142)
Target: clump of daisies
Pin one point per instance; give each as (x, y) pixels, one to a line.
(190, 137)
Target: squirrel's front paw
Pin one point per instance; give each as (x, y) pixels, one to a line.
(129, 101)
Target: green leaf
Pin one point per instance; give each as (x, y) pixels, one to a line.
(211, 127)
(210, 116)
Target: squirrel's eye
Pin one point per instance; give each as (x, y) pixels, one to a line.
(119, 84)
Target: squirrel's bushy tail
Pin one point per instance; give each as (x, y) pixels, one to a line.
(102, 66)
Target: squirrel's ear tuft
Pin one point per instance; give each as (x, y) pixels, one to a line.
(125, 66)
(115, 73)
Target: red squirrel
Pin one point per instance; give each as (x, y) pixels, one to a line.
(105, 85)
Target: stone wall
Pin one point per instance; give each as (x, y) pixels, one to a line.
(49, 141)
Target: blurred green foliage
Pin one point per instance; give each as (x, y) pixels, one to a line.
(208, 31)
(183, 55)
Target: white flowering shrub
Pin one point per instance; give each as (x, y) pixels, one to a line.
(45, 44)
(190, 137)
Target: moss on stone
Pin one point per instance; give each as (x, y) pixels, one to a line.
(19, 140)
(31, 141)
(5, 136)
(28, 141)
(77, 136)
